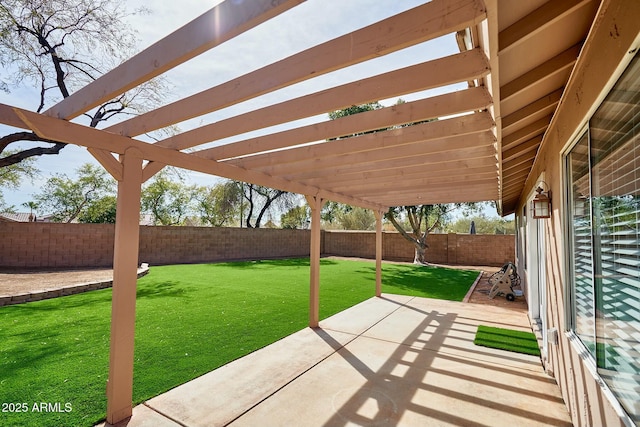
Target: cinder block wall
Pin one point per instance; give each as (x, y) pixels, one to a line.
(461, 249)
(48, 245)
(484, 249)
(350, 244)
(37, 245)
(180, 245)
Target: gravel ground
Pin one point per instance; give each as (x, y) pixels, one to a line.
(12, 283)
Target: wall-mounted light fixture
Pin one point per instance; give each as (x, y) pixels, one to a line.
(541, 203)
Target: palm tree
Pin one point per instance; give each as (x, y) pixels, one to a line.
(32, 206)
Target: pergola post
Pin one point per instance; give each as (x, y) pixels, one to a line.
(315, 203)
(123, 304)
(378, 215)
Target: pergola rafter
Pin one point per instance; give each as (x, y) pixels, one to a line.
(465, 146)
(400, 114)
(414, 26)
(383, 140)
(428, 75)
(447, 168)
(486, 153)
(182, 45)
(71, 133)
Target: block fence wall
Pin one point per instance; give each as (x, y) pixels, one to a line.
(49, 245)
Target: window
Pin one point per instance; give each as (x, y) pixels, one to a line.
(603, 171)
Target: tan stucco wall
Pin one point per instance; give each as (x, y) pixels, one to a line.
(611, 41)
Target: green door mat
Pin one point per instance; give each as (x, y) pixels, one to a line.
(507, 339)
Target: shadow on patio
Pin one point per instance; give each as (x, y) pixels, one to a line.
(390, 361)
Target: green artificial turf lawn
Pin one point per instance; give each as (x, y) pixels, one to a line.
(507, 339)
(190, 319)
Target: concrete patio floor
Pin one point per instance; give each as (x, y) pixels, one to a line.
(390, 361)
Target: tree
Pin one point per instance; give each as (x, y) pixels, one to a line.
(261, 200)
(296, 217)
(422, 219)
(483, 224)
(32, 206)
(168, 201)
(58, 46)
(12, 177)
(345, 217)
(101, 211)
(67, 199)
(356, 218)
(330, 211)
(355, 109)
(218, 205)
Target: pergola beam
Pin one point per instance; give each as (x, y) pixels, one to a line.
(9, 117)
(419, 185)
(441, 169)
(378, 215)
(349, 185)
(470, 154)
(123, 305)
(541, 107)
(416, 180)
(189, 41)
(316, 203)
(438, 191)
(517, 164)
(561, 63)
(106, 159)
(427, 75)
(521, 149)
(60, 130)
(420, 24)
(430, 131)
(459, 147)
(428, 198)
(473, 99)
(516, 138)
(535, 22)
(516, 181)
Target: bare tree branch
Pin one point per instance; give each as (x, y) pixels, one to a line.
(32, 152)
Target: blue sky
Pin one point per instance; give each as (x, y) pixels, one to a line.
(308, 24)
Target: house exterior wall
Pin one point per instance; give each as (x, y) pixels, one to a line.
(51, 245)
(611, 43)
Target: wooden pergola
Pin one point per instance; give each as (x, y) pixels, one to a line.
(515, 58)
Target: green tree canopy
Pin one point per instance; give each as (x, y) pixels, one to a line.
(12, 176)
(101, 211)
(168, 201)
(483, 225)
(218, 205)
(258, 200)
(296, 217)
(67, 199)
(356, 219)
